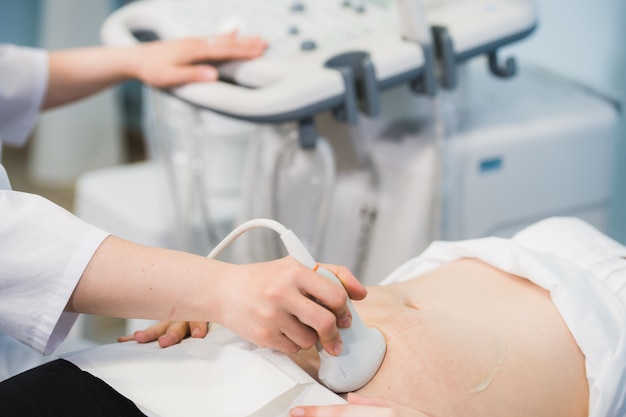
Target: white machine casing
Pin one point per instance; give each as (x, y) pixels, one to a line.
(305, 35)
(272, 84)
(525, 149)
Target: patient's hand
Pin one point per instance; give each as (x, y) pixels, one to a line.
(168, 333)
(358, 406)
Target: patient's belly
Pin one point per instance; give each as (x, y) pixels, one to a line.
(468, 339)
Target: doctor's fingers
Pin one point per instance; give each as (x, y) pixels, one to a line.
(175, 76)
(355, 289)
(172, 63)
(294, 327)
(330, 295)
(324, 322)
(300, 334)
(220, 48)
(284, 332)
(231, 46)
(273, 338)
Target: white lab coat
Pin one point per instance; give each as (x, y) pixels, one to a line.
(43, 248)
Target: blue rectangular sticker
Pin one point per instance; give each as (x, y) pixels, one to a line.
(490, 164)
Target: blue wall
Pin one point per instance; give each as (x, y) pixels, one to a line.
(20, 21)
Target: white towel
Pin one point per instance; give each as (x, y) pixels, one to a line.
(582, 244)
(220, 375)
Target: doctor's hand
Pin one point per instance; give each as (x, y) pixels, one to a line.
(358, 406)
(176, 62)
(271, 305)
(286, 306)
(77, 73)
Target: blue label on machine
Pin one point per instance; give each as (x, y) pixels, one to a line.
(490, 164)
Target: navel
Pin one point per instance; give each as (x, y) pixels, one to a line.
(407, 302)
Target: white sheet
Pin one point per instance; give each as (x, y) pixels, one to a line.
(578, 242)
(221, 375)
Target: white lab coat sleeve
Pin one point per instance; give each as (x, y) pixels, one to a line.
(44, 250)
(23, 84)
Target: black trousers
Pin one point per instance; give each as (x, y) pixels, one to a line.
(59, 388)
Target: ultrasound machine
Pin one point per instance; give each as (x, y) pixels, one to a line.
(369, 127)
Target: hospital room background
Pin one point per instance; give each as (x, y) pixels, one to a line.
(569, 93)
